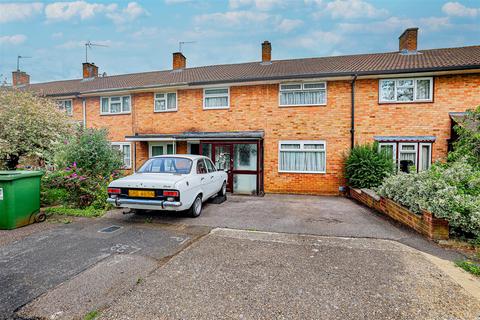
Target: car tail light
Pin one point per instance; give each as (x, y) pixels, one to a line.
(169, 193)
(114, 190)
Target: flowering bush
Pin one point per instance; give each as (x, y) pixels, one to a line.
(450, 191)
(365, 167)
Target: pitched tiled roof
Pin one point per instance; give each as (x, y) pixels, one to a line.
(363, 64)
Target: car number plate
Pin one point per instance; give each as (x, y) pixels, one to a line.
(141, 193)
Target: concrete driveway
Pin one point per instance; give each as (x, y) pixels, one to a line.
(298, 214)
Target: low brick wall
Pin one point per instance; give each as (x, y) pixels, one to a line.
(425, 223)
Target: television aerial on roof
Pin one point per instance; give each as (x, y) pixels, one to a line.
(18, 60)
(89, 45)
(181, 43)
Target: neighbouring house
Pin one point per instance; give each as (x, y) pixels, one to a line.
(281, 126)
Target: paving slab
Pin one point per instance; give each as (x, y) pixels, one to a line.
(43, 260)
(233, 274)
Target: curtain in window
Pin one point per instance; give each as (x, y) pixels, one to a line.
(125, 104)
(302, 161)
(126, 156)
(105, 105)
(425, 157)
(302, 97)
(408, 156)
(216, 102)
(423, 89)
(171, 101)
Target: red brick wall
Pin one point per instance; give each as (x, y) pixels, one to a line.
(256, 108)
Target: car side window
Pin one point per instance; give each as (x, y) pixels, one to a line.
(201, 168)
(210, 166)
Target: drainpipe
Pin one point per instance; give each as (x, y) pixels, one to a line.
(352, 124)
(84, 110)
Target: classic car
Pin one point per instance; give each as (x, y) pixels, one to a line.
(170, 182)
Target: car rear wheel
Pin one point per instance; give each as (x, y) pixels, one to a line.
(196, 208)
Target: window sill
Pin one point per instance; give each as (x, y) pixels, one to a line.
(306, 172)
(301, 105)
(405, 102)
(115, 114)
(164, 111)
(219, 108)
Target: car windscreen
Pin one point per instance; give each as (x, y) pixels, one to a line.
(167, 165)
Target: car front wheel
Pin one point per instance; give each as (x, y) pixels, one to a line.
(196, 208)
(223, 190)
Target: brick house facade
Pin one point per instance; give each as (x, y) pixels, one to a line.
(237, 114)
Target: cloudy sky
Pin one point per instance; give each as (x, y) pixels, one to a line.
(141, 35)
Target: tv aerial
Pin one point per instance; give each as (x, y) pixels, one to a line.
(18, 60)
(89, 45)
(181, 43)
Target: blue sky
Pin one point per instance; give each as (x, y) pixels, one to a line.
(142, 35)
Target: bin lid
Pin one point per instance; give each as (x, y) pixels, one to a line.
(14, 175)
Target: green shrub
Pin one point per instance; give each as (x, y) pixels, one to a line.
(365, 167)
(469, 266)
(468, 144)
(450, 191)
(90, 150)
(75, 212)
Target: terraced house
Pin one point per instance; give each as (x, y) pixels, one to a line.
(281, 126)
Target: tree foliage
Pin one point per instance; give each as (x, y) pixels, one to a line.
(468, 144)
(29, 126)
(365, 167)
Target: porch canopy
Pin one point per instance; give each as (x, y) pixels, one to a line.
(196, 136)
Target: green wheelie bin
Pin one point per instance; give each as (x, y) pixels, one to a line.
(19, 198)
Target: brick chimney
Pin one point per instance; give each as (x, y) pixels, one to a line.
(266, 51)
(179, 61)
(90, 70)
(408, 40)
(20, 78)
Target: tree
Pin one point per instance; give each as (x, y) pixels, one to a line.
(468, 143)
(29, 126)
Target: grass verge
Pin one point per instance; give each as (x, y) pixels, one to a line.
(85, 212)
(91, 315)
(469, 266)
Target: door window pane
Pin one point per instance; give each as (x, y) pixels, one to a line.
(210, 166)
(207, 150)
(245, 183)
(245, 157)
(222, 157)
(169, 148)
(157, 151)
(425, 156)
(201, 168)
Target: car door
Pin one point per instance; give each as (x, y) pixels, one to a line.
(215, 177)
(203, 179)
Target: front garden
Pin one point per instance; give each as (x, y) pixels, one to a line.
(449, 189)
(78, 163)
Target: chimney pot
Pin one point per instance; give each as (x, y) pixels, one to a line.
(179, 61)
(266, 51)
(90, 70)
(408, 40)
(20, 78)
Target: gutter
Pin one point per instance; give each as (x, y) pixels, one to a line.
(352, 122)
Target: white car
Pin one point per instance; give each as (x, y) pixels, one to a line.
(170, 182)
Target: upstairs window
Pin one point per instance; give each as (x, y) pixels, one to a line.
(302, 156)
(303, 94)
(165, 102)
(406, 90)
(115, 105)
(216, 98)
(66, 105)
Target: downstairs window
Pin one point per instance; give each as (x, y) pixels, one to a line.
(302, 156)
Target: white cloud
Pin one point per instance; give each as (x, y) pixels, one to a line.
(62, 11)
(57, 35)
(317, 41)
(457, 9)
(13, 39)
(19, 11)
(434, 23)
(287, 25)
(233, 18)
(67, 10)
(259, 4)
(177, 1)
(386, 26)
(130, 13)
(351, 9)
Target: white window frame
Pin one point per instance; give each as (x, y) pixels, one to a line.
(302, 89)
(400, 145)
(166, 101)
(302, 149)
(216, 96)
(121, 144)
(163, 144)
(415, 100)
(393, 144)
(420, 155)
(110, 107)
(61, 105)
